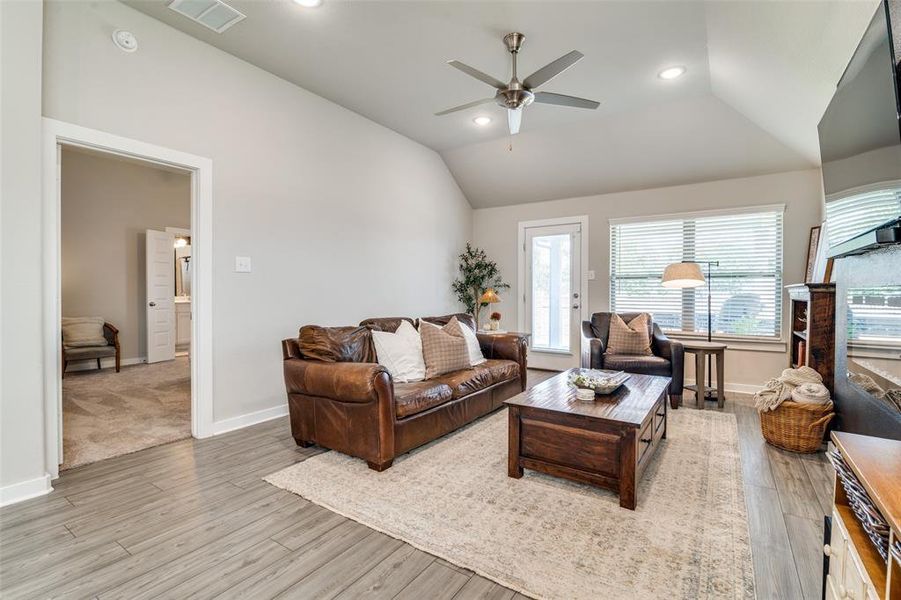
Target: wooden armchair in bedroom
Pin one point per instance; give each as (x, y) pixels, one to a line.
(111, 334)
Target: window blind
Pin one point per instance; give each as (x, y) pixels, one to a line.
(857, 213)
(874, 316)
(746, 287)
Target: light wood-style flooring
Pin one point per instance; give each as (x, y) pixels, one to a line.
(193, 519)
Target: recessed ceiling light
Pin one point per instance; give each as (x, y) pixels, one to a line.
(309, 3)
(671, 73)
(482, 121)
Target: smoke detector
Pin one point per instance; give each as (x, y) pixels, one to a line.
(125, 40)
(212, 14)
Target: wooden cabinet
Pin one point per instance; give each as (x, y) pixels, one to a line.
(856, 569)
(812, 318)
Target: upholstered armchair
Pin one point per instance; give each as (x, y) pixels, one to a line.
(667, 360)
(111, 349)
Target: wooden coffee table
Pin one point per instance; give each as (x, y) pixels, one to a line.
(607, 443)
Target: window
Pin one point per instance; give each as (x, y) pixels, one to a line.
(746, 287)
(859, 212)
(874, 316)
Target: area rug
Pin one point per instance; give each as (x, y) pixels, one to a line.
(108, 414)
(549, 538)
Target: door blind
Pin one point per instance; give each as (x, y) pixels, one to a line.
(746, 287)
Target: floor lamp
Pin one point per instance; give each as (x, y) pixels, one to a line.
(687, 274)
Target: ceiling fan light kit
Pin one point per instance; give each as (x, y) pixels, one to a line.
(516, 95)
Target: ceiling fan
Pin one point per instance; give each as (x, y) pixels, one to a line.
(516, 95)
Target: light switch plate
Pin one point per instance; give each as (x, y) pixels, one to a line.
(590, 275)
(242, 264)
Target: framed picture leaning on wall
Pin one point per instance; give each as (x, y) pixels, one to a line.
(813, 244)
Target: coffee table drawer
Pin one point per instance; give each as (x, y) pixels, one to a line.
(659, 417)
(552, 442)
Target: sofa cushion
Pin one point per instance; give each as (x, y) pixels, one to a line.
(416, 397)
(645, 365)
(86, 352)
(335, 344)
(630, 338)
(463, 318)
(389, 324)
(472, 346)
(490, 372)
(400, 352)
(443, 348)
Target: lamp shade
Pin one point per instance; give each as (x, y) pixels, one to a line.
(683, 275)
(489, 297)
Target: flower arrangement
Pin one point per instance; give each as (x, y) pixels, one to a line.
(495, 316)
(494, 322)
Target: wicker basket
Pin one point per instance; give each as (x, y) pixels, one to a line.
(795, 426)
(869, 517)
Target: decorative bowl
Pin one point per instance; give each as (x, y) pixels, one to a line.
(600, 382)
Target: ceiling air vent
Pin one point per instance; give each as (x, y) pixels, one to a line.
(212, 14)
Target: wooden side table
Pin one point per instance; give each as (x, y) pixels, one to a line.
(702, 350)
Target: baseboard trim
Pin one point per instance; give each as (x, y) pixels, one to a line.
(260, 416)
(739, 388)
(25, 490)
(105, 363)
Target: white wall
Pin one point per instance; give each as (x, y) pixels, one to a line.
(107, 204)
(496, 230)
(343, 218)
(21, 381)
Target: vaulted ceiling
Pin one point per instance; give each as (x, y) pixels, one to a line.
(759, 77)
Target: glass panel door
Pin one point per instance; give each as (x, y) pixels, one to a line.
(552, 300)
(551, 290)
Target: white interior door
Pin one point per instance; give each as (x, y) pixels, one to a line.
(552, 294)
(160, 304)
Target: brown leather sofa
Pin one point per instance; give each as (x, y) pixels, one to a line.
(668, 358)
(352, 405)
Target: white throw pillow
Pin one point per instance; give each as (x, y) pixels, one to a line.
(472, 344)
(401, 353)
(83, 332)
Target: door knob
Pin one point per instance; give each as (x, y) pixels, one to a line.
(575, 306)
(576, 295)
(153, 304)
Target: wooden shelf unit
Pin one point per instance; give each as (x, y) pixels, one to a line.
(856, 570)
(812, 318)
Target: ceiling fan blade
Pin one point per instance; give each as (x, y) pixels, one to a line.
(564, 100)
(473, 72)
(464, 106)
(551, 70)
(514, 120)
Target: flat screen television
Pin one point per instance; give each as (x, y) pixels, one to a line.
(860, 148)
(860, 141)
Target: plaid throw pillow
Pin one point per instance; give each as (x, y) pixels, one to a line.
(632, 339)
(443, 348)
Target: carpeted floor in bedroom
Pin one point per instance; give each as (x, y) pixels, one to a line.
(107, 414)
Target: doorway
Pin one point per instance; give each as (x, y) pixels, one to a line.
(554, 286)
(59, 136)
(123, 387)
